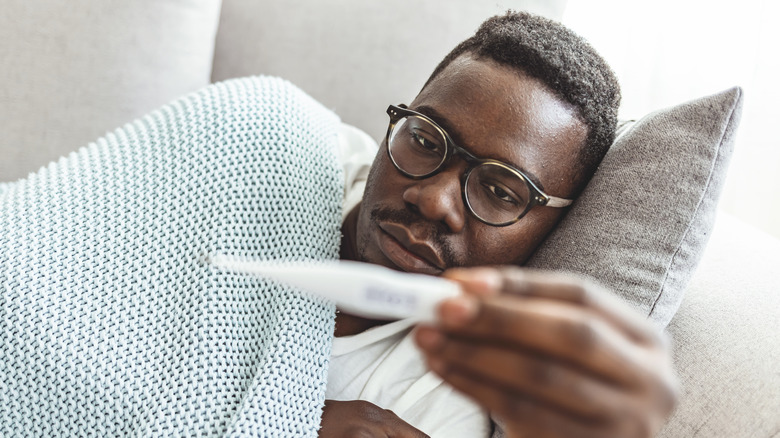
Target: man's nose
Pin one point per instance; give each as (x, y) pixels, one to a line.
(438, 198)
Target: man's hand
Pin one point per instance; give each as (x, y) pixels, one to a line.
(358, 418)
(551, 356)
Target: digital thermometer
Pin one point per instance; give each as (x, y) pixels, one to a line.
(360, 289)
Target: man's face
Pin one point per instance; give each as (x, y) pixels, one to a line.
(493, 112)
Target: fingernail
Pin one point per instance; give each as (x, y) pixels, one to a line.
(459, 311)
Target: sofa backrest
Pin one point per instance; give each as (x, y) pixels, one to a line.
(71, 71)
(74, 70)
(355, 56)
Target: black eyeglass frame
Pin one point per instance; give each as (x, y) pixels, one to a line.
(538, 197)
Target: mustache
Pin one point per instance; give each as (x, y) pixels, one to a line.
(437, 231)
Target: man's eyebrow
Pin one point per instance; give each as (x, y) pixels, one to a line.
(441, 121)
(455, 135)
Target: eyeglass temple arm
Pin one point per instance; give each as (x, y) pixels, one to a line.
(552, 201)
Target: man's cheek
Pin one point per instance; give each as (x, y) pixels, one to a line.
(384, 186)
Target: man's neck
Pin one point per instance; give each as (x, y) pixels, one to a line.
(347, 324)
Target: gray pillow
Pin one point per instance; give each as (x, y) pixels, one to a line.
(641, 225)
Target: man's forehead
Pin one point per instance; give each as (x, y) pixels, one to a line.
(494, 95)
(500, 113)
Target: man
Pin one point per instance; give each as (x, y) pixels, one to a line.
(114, 324)
(476, 171)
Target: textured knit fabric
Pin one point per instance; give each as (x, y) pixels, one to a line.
(111, 321)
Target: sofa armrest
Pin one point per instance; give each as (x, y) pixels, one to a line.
(726, 338)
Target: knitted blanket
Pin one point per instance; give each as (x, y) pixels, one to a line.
(111, 322)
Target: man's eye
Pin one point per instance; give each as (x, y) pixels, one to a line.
(501, 194)
(425, 142)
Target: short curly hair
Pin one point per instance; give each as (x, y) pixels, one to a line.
(564, 61)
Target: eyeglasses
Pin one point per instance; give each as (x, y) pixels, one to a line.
(495, 193)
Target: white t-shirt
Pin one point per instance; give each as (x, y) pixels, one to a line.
(356, 153)
(382, 364)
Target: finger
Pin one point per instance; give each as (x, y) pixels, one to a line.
(480, 281)
(560, 330)
(529, 417)
(534, 376)
(530, 283)
(522, 416)
(487, 281)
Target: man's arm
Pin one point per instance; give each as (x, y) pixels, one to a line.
(551, 356)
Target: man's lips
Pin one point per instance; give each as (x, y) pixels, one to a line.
(408, 253)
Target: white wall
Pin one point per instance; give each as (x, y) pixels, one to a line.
(669, 51)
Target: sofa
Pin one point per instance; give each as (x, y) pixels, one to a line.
(73, 71)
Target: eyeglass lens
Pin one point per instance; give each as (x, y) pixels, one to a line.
(494, 193)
